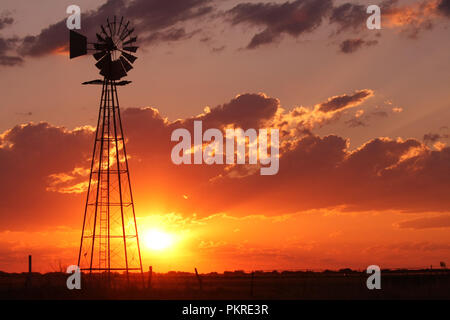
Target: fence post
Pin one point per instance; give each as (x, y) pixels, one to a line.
(150, 273)
(251, 283)
(199, 279)
(29, 271)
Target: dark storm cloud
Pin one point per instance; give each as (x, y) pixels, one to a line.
(353, 16)
(161, 21)
(10, 61)
(353, 45)
(7, 45)
(344, 101)
(3, 46)
(174, 34)
(5, 21)
(349, 16)
(293, 18)
(155, 14)
(154, 20)
(444, 7)
(304, 16)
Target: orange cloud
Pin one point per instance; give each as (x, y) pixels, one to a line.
(62, 51)
(416, 14)
(45, 167)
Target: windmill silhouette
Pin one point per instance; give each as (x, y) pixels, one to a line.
(109, 239)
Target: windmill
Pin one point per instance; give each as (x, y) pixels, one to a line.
(109, 239)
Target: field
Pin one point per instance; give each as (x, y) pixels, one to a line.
(344, 284)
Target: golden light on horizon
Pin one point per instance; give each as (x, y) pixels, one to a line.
(157, 240)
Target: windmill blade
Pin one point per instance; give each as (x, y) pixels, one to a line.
(78, 44)
(103, 30)
(104, 63)
(131, 49)
(100, 38)
(117, 70)
(130, 41)
(114, 71)
(99, 55)
(109, 27)
(129, 57)
(127, 34)
(126, 65)
(120, 25)
(125, 29)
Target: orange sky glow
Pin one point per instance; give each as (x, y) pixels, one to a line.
(364, 171)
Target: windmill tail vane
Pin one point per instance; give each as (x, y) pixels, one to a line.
(109, 238)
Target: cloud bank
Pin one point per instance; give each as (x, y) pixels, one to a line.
(44, 168)
(162, 21)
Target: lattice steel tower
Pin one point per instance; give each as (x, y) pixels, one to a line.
(109, 239)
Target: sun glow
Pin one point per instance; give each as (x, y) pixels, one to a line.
(157, 240)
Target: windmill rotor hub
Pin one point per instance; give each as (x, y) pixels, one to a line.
(113, 50)
(110, 44)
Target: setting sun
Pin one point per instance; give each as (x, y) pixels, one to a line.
(157, 240)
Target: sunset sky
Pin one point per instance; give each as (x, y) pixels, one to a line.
(363, 117)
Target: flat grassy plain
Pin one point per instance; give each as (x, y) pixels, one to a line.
(289, 285)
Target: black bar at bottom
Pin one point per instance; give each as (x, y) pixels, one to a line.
(233, 309)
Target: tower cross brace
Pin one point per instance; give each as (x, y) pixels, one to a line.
(109, 239)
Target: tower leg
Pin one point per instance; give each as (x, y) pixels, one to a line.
(129, 184)
(109, 238)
